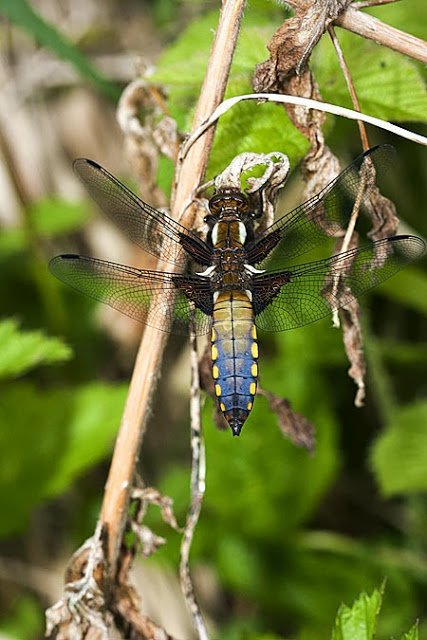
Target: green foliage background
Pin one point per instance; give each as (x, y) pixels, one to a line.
(288, 537)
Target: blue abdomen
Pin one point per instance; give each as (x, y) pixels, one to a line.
(234, 356)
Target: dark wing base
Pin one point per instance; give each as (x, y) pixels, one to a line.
(161, 300)
(149, 228)
(324, 215)
(305, 293)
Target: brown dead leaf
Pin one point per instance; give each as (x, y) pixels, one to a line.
(382, 212)
(99, 607)
(293, 42)
(83, 611)
(349, 314)
(353, 343)
(149, 541)
(149, 495)
(149, 131)
(205, 372)
(293, 425)
(126, 606)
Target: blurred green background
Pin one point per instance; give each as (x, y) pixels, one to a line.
(284, 537)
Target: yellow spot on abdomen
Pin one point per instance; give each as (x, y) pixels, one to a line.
(222, 406)
(249, 407)
(218, 389)
(215, 371)
(252, 388)
(254, 369)
(213, 335)
(214, 352)
(254, 332)
(254, 350)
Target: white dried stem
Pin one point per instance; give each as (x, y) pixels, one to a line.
(198, 484)
(349, 233)
(308, 103)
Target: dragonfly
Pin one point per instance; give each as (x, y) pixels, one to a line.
(235, 280)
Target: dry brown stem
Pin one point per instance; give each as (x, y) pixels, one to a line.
(188, 176)
(371, 28)
(367, 26)
(350, 85)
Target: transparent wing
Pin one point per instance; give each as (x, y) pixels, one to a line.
(160, 300)
(324, 215)
(150, 229)
(303, 294)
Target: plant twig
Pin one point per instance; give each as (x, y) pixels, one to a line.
(302, 102)
(364, 4)
(371, 28)
(198, 475)
(350, 85)
(189, 174)
(349, 234)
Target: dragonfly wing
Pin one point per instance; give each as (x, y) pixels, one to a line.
(160, 300)
(150, 229)
(303, 294)
(325, 214)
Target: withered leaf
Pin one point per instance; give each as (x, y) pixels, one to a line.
(150, 495)
(293, 425)
(382, 212)
(353, 343)
(293, 42)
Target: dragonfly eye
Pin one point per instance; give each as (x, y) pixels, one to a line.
(232, 200)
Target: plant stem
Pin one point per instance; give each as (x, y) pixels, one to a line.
(189, 174)
(365, 25)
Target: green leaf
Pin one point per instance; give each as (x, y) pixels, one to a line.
(23, 15)
(359, 622)
(184, 63)
(21, 351)
(388, 85)
(95, 420)
(398, 457)
(412, 634)
(47, 439)
(246, 127)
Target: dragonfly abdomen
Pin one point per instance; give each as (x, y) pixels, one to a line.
(234, 356)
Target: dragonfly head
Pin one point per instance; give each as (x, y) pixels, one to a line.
(228, 203)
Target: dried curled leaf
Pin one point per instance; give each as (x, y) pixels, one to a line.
(150, 495)
(286, 72)
(353, 343)
(149, 541)
(83, 612)
(293, 42)
(293, 425)
(96, 605)
(133, 624)
(149, 131)
(263, 190)
(382, 212)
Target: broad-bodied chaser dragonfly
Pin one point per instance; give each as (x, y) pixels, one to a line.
(241, 283)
